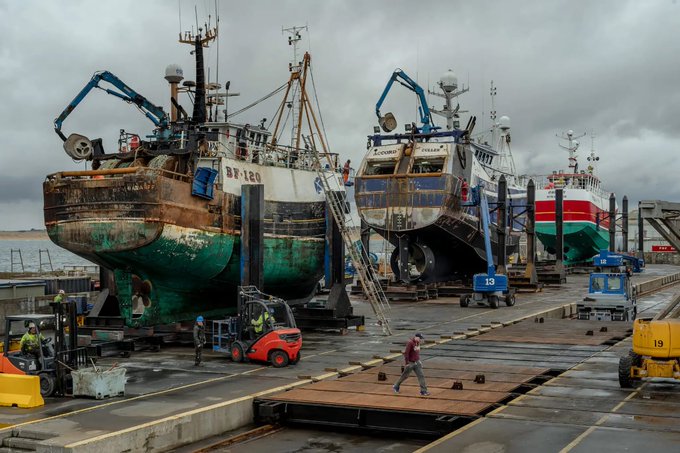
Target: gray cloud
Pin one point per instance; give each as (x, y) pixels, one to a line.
(608, 66)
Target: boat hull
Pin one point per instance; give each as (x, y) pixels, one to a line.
(585, 227)
(444, 237)
(175, 255)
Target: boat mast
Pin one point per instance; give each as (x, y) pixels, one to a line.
(572, 146)
(297, 100)
(500, 137)
(448, 83)
(592, 158)
(199, 42)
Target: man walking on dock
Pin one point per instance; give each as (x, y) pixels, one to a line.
(199, 339)
(412, 363)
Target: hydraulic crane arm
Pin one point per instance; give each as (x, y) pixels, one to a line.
(423, 109)
(153, 112)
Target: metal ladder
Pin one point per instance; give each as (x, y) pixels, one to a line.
(14, 262)
(335, 200)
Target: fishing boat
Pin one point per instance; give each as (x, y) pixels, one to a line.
(163, 212)
(412, 188)
(585, 207)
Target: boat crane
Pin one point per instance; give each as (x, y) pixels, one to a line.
(155, 113)
(388, 123)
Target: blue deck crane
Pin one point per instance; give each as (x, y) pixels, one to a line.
(388, 123)
(489, 287)
(127, 94)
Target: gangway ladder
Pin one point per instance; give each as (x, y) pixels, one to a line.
(350, 236)
(48, 261)
(13, 262)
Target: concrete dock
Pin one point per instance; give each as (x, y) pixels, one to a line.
(170, 403)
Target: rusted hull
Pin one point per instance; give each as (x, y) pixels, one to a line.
(445, 238)
(175, 255)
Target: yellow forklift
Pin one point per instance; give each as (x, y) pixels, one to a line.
(656, 348)
(57, 355)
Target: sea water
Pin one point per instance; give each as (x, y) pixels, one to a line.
(31, 255)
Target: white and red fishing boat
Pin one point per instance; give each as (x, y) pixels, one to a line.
(585, 207)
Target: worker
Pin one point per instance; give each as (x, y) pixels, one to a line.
(31, 342)
(259, 322)
(464, 190)
(59, 298)
(345, 171)
(412, 363)
(199, 339)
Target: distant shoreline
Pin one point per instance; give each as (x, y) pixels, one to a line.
(29, 235)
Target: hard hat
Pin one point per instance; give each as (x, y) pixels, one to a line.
(31, 325)
(61, 291)
(199, 319)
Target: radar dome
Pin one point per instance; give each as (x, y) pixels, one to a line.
(449, 81)
(174, 73)
(504, 122)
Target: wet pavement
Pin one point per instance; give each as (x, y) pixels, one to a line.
(166, 383)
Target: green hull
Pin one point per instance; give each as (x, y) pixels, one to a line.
(582, 240)
(190, 271)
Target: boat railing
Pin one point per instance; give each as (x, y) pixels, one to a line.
(567, 181)
(110, 172)
(273, 155)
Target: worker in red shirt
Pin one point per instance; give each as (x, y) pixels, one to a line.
(412, 363)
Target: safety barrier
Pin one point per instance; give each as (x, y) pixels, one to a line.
(657, 284)
(20, 391)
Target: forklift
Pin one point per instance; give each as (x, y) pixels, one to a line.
(490, 287)
(58, 353)
(656, 348)
(263, 330)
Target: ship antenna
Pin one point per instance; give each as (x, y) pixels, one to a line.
(492, 115)
(295, 67)
(592, 158)
(199, 41)
(571, 147)
(448, 84)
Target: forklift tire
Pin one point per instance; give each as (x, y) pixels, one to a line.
(464, 300)
(296, 359)
(278, 358)
(47, 384)
(625, 381)
(510, 300)
(493, 301)
(236, 352)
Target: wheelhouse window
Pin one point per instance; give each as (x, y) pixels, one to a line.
(613, 283)
(428, 165)
(374, 168)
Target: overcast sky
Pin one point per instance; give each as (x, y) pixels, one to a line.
(612, 67)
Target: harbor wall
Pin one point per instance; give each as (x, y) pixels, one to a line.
(177, 430)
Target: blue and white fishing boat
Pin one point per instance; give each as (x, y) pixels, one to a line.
(412, 187)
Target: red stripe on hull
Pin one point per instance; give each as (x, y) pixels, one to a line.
(574, 211)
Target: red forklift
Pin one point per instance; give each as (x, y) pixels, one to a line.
(58, 353)
(263, 330)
